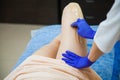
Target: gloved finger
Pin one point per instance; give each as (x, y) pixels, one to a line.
(68, 61)
(70, 64)
(79, 20)
(74, 24)
(72, 54)
(67, 56)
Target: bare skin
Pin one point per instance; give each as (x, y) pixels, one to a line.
(70, 39)
(95, 53)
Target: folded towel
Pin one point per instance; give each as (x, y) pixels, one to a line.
(38, 67)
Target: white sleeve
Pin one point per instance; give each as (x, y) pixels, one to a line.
(108, 32)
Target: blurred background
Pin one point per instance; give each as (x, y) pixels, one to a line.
(19, 17)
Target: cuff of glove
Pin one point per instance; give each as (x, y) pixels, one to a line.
(92, 34)
(89, 62)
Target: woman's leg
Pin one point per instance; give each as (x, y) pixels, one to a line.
(70, 39)
(49, 50)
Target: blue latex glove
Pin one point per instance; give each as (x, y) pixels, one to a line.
(76, 61)
(84, 29)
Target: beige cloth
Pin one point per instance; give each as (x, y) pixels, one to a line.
(43, 68)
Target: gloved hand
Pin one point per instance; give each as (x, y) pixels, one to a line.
(84, 29)
(76, 61)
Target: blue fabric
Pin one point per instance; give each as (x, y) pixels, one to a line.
(116, 67)
(103, 66)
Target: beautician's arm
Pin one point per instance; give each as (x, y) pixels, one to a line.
(94, 53)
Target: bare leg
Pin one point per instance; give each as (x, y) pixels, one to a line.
(70, 39)
(49, 50)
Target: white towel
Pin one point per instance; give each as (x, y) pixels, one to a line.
(43, 68)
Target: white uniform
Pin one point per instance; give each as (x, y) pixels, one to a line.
(108, 32)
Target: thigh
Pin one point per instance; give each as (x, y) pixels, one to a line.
(49, 50)
(70, 39)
